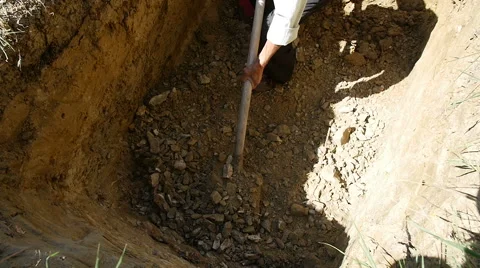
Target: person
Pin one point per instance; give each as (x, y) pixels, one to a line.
(280, 27)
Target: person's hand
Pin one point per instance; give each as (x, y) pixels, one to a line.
(253, 73)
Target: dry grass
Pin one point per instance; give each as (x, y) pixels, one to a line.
(14, 18)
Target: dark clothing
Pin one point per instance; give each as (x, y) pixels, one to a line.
(281, 65)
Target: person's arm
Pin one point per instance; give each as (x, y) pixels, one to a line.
(283, 30)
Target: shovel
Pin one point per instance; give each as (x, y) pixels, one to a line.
(247, 86)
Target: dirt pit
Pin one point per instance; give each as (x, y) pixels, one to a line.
(326, 158)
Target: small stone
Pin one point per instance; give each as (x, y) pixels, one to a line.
(249, 229)
(283, 130)
(231, 189)
(222, 157)
(342, 136)
(155, 179)
(154, 143)
(270, 155)
(227, 171)
(255, 238)
(298, 210)
(272, 137)
(227, 130)
(279, 243)
(227, 229)
(356, 59)
(216, 242)
(267, 225)
(141, 110)
(215, 217)
(216, 197)
(281, 225)
(267, 107)
(227, 243)
(159, 99)
(180, 165)
(203, 79)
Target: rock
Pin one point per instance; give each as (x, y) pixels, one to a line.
(231, 189)
(227, 243)
(254, 238)
(180, 165)
(227, 229)
(203, 79)
(283, 130)
(267, 225)
(356, 59)
(215, 217)
(159, 99)
(237, 236)
(342, 136)
(298, 210)
(154, 143)
(281, 225)
(270, 155)
(279, 243)
(141, 110)
(227, 171)
(227, 130)
(249, 229)
(272, 137)
(155, 179)
(216, 242)
(216, 197)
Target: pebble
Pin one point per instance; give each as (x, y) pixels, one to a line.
(342, 136)
(180, 165)
(159, 99)
(154, 143)
(227, 229)
(267, 225)
(227, 243)
(141, 110)
(254, 238)
(215, 217)
(279, 243)
(283, 130)
(272, 137)
(203, 79)
(216, 197)
(298, 210)
(227, 172)
(155, 179)
(216, 242)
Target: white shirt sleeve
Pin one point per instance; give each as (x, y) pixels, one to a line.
(285, 24)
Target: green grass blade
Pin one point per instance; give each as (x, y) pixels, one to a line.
(332, 246)
(121, 257)
(50, 256)
(365, 249)
(448, 242)
(97, 260)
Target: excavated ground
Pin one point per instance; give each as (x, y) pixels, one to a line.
(184, 135)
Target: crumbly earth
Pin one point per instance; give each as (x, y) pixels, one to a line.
(285, 210)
